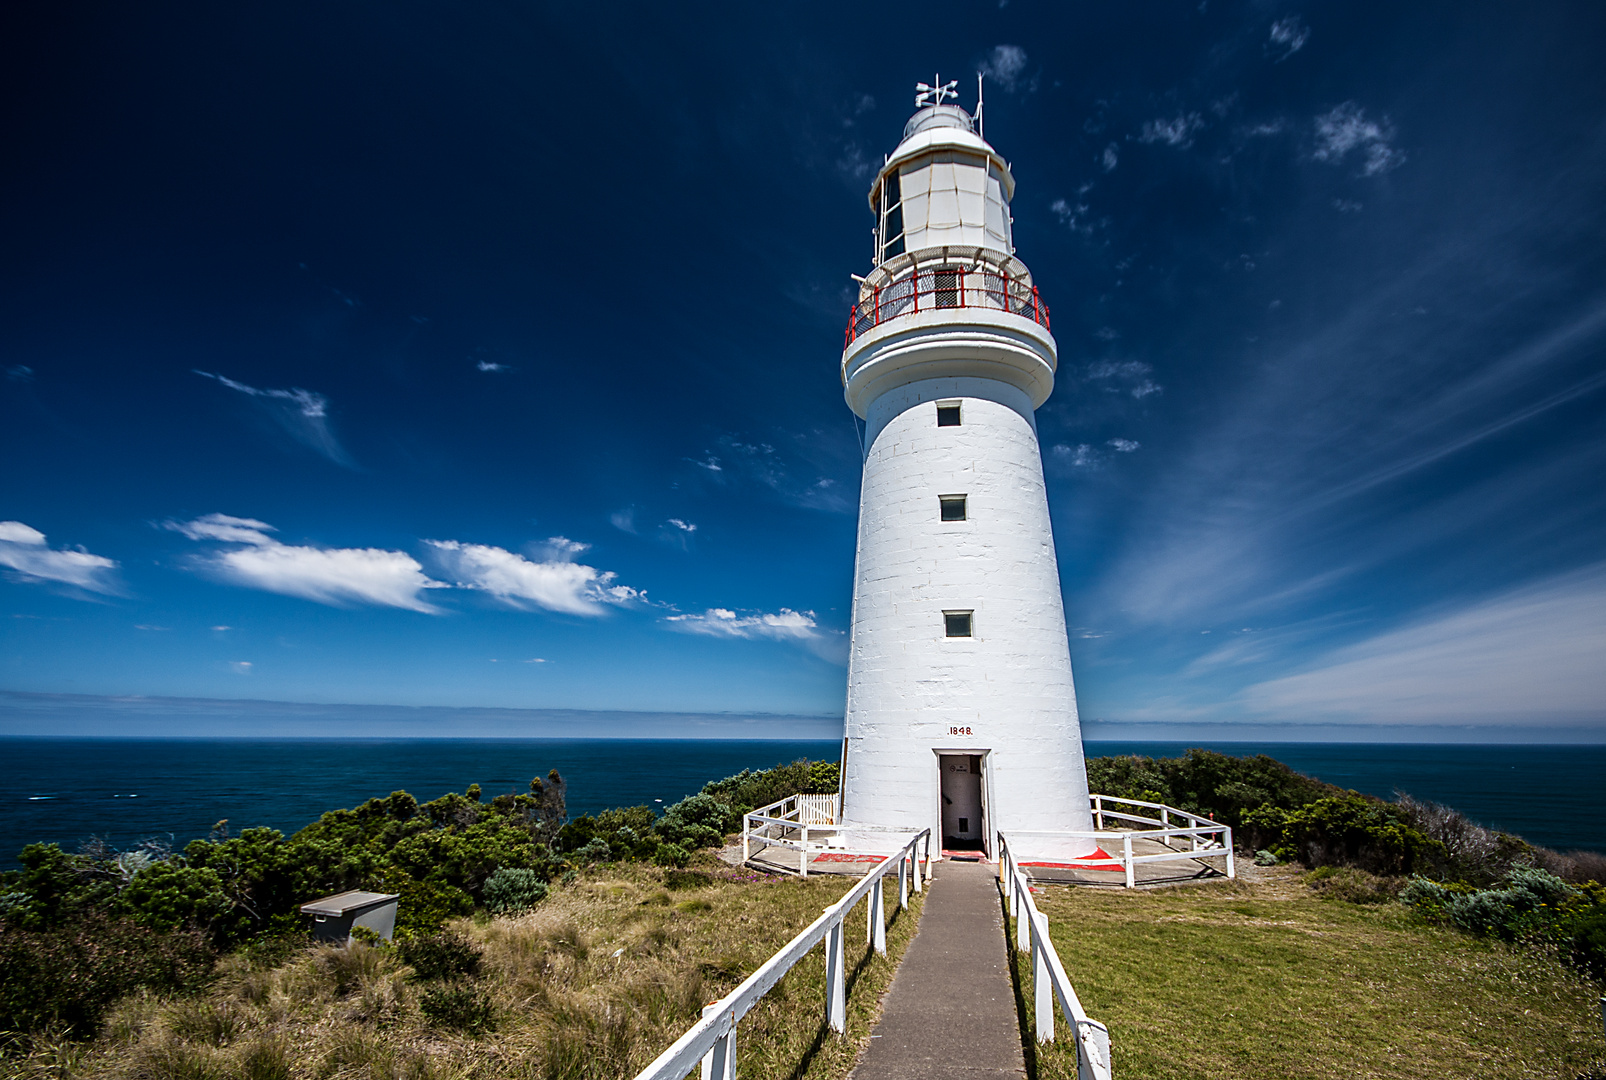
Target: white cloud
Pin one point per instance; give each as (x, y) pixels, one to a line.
(1534, 655)
(1125, 376)
(1178, 131)
(1074, 217)
(1124, 446)
(335, 576)
(684, 526)
(1005, 65)
(556, 583)
(624, 520)
(1080, 456)
(1346, 128)
(783, 625)
(240, 667)
(23, 550)
(304, 414)
(1110, 158)
(487, 365)
(1288, 36)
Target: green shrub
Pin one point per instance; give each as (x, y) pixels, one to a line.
(750, 789)
(1347, 830)
(461, 1007)
(1531, 901)
(440, 956)
(1206, 783)
(1585, 937)
(68, 976)
(511, 890)
(672, 855)
(594, 850)
(698, 821)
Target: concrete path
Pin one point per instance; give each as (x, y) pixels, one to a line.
(951, 1009)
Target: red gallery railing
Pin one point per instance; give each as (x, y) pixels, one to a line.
(945, 287)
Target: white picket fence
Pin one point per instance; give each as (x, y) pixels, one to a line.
(712, 1040)
(1049, 980)
(799, 823)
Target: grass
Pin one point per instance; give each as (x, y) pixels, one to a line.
(596, 982)
(1267, 978)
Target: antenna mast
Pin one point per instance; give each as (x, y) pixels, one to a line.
(981, 127)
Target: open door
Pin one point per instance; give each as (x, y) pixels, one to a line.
(962, 826)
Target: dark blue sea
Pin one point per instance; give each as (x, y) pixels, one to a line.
(128, 790)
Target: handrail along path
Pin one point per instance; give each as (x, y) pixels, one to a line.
(712, 1040)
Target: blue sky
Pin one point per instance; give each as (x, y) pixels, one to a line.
(486, 356)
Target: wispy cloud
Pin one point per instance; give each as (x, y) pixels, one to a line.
(24, 551)
(1288, 36)
(334, 576)
(303, 414)
(1124, 377)
(1074, 216)
(491, 365)
(555, 582)
(1177, 131)
(738, 462)
(1110, 158)
(1006, 66)
(1535, 655)
(1346, 128)
(783, 625)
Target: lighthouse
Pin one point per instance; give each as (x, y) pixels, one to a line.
(961, 711)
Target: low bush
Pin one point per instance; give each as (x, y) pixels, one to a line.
(1352, 886)
(461, 1007)
(69, 976)
(512, 889)
(672, 855)
(445, 955)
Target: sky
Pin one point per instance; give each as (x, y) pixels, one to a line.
(485, 356)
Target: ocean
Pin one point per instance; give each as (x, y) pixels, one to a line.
(128, 790)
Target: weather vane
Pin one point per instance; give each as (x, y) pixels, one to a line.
(937, 90)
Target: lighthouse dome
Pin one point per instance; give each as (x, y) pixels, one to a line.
(939, 116)
(943, 187)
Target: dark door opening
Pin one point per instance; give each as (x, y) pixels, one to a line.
(962, 825)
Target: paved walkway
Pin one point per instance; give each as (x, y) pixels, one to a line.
(951, 1009)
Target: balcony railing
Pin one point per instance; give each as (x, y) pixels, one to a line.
(940, 288)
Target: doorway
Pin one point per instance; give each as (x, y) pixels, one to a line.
(963, 827)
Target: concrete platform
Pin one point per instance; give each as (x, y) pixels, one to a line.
(951, 1009)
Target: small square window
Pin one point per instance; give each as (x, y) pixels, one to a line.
(953, 507)
(948, 415)
(957, 623)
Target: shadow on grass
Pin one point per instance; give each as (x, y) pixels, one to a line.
(849, 980)
(1017, 981)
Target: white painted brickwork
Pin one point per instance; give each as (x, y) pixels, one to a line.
(1010, 684)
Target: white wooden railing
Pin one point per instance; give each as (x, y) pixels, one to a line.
(1049, 980)
(712, 1040)
(786, 822)
(1200, 838)
(798, 822)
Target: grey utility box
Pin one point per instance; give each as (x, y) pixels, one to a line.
(334, 916)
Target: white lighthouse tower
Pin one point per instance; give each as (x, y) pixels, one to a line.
(961, 712)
